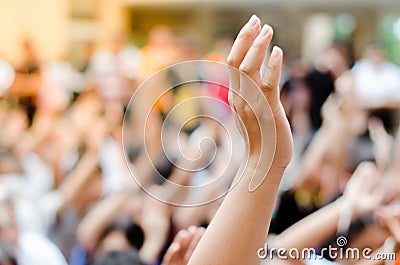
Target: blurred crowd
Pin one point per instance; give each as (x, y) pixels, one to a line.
(67, 192)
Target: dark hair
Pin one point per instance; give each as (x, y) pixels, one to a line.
(124, 257)
(133, 233)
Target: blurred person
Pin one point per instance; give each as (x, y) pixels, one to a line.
(329, 65)
(24, 91)
(181, 89)
(87, 52)
(116, 175)
(241, 205)
(121, 223)
(319, 171)
(376, 83)
(30, 63)
(220, 50)
(52, 101)
(147, 214)
(161, 51)
(59, 77)
(91, 168)
(68, 204)
(295, 93)
(376, 80)
(187, 43)
(7, 255)
(56, 168)
(216, 178)
(13, 124)
(120, 258)
(28, 81)
(30, 248)
(79, 147)
(295, 96)
(220, 91)
(360, 198)
(114, 71)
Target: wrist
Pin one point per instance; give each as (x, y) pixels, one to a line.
(345, 216)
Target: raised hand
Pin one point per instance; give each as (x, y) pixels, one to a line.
(155, 224)
(362, 192)
(389, 216)
(382, 142)
(254, 99)
(252, 94)
(183, 246)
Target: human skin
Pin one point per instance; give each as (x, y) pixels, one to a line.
(241, 224)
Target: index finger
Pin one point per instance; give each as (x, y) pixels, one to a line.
(239, 50)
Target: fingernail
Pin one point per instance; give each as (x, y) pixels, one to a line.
(175, 246)
(264, 31)
(192, 229)
(182, 233)
(275, 53)
(253, 20)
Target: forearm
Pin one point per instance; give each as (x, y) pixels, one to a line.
(154, 243)
(75, 181)
(333, 166)
(395, 163)
(241, 224)
(97, 219)
(314, 154)
(325, 221)
(250, 203)
(302, 234)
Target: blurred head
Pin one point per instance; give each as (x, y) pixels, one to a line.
(188, 47)
(28, 49)
(114, 114)
(336, 58)
(297, 68)
(120, 258)
(121, 235)
(161, 35)
(88, 50)
(375, 53)
(118, 42)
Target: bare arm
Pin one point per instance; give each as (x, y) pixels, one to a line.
(359, 198)
(241, 224)
(100, 216)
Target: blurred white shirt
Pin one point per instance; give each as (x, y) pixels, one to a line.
(110, 72)
(376, 84)
(34, 249)
(7, 75)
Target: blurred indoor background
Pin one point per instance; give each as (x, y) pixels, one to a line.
(61, 28)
